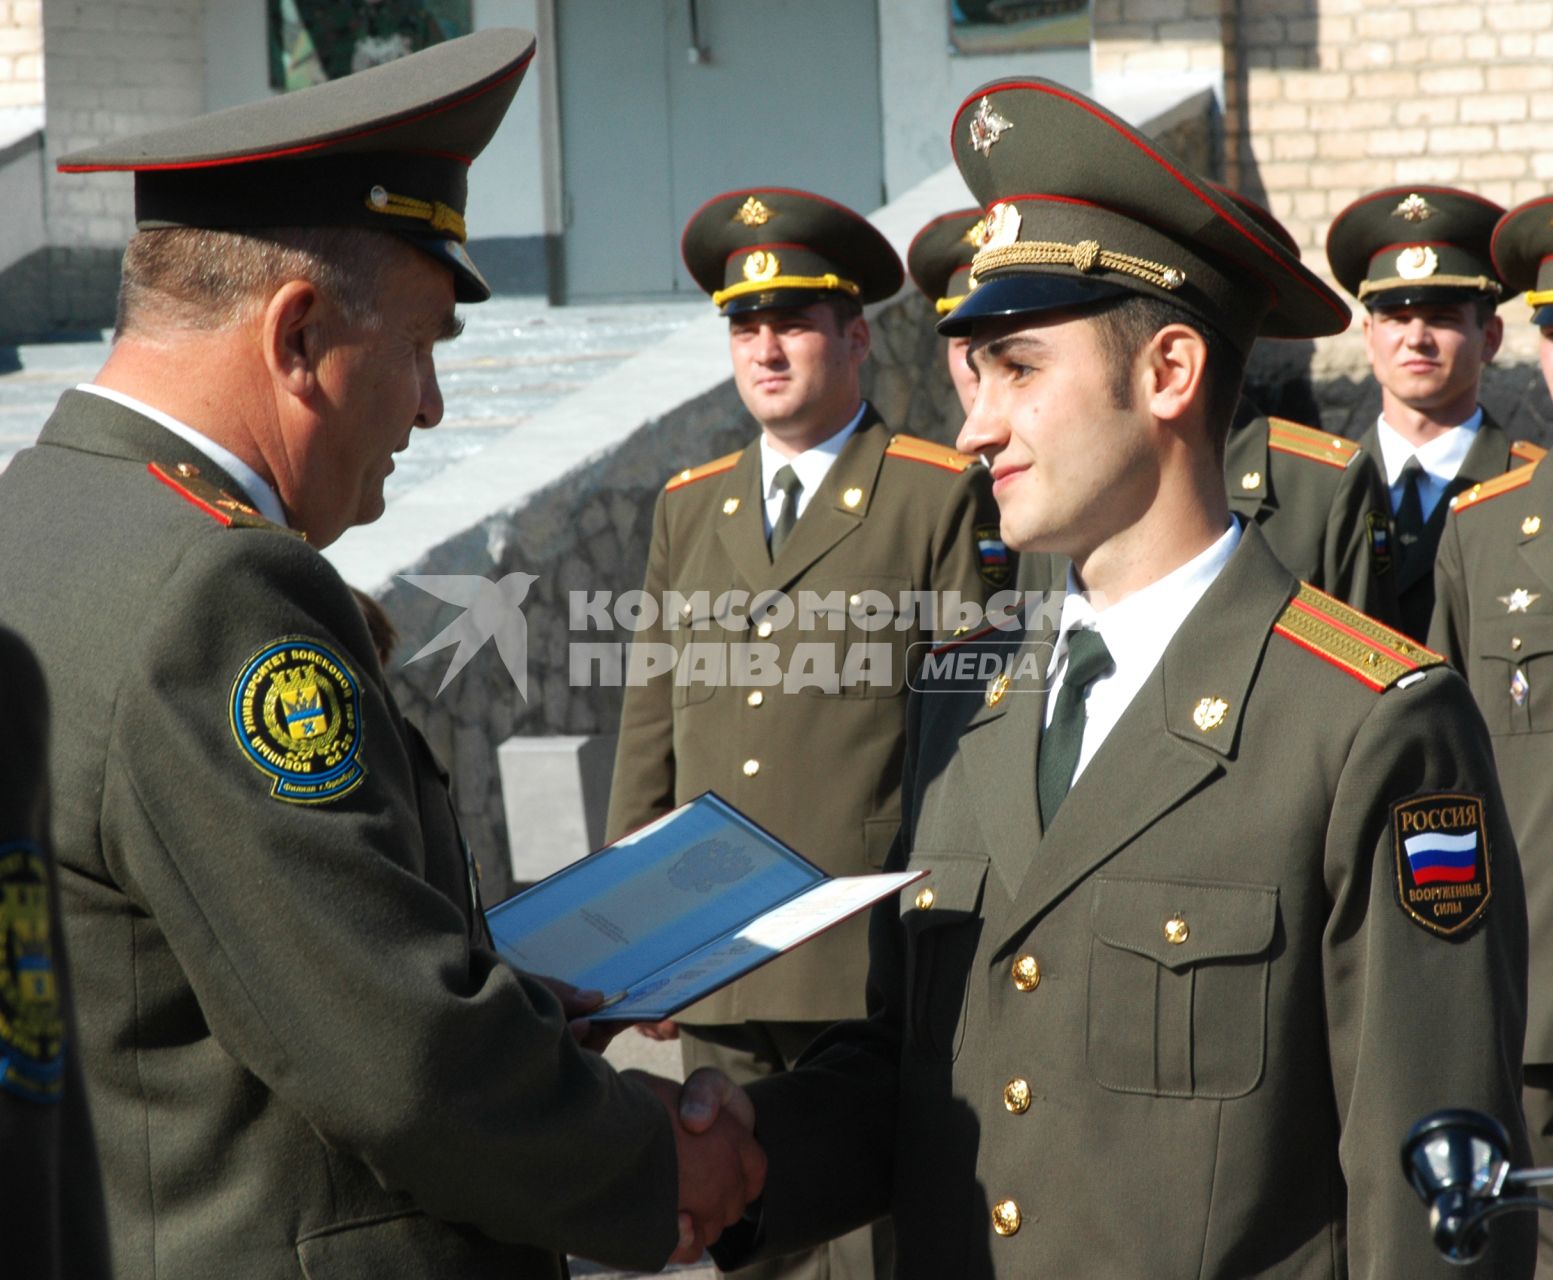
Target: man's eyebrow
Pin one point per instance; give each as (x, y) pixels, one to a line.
(1009, 344)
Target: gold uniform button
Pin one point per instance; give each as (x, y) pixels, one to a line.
(186, 470)
(1006, 1218)
(751, 768)
(925, 899)
(854, 600)
(1515, 643)
(1177, 931)
(763, 630)
(756, 698)
(1016, 1095)
(1027, 973)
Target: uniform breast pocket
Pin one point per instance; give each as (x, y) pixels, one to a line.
(940, 917)
(864, 623)
(701, 633)
(1178, 973)
(1512, 672)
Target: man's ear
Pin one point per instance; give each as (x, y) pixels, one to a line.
(290, 328)
(1174, 370)
(1493, 336)
(859, 338)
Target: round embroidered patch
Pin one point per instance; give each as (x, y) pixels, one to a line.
(296, 713)
(32, 1034)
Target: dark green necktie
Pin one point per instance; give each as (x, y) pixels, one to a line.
(787, 481)
(1088, 660)
(1410, 511)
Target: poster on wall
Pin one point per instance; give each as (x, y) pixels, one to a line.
(1017, 26)
(316, 40)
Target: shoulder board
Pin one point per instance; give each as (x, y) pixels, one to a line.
(915, 449)
(1526, 451)
(1507, 483)
(691, 474)
(1371, 652)
(220, 506)
(1309, 443)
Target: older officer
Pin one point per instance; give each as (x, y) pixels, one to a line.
(1418, 259)
(51, 1210)
(304, 1057)
(847, 523)
(1493, 618)
(1209, 924)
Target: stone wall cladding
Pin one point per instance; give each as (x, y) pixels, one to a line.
(21, 53)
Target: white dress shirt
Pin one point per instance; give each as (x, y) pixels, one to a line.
(1137, 631)
(811, 466)
(264, 498)
(1441, 459)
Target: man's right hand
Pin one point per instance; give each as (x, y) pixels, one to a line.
(721, 1166)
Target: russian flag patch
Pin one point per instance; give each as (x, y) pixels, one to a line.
(992, 557)
(1444, 880)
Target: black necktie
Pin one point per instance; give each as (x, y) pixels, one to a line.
(787, 481)
(1088, 660)
(1410, 510)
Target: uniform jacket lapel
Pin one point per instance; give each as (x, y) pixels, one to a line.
(1536, 549)
(743, 534)
(1245, 456)
(1157, 745)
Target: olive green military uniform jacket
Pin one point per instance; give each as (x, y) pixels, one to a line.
(1492, 454)
(814, 760)
(52, 1224)
(303, 1058)
(1321, 504)
(1184, 1032)
(1493, 618)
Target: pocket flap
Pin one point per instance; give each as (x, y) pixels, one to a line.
(1513, 637)
(951, 891)
(1178, 923)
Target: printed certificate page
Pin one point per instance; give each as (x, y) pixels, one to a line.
(676, 910)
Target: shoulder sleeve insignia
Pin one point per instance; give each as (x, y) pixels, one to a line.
(691, 474)
(1526, 451)
(1444, 877)
(992, 558)
(1369, 651)
(32, 1033)
(915, 449)
(1309, 443)
(296, 715)
(216, 503)
(1509, 482)
(1377, 525)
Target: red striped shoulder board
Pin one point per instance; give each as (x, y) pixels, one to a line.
(1371, 652)
(1309, 443)
(915, 449)
(1509, 482)
(1526, 451)
(184, 480)
(691, 474)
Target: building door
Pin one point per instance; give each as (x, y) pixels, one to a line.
(665, 103)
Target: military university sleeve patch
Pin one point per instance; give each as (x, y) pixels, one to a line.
(32, 1033)
(296, 714)
(1443, 876)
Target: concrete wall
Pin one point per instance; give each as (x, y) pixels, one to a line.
(21, 54)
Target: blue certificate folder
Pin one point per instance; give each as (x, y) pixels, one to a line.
(675, 910)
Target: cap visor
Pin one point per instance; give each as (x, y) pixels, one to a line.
(778, 299)
(1542, 317)
(1422, 294)
(1022, 294)
(468, 284)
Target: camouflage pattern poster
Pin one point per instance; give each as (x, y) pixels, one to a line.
(316, 40)
(1014, 26)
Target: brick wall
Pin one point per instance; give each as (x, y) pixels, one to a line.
(1326, 99)
(21, 53)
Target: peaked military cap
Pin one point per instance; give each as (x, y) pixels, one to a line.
(1522, 249)
(1081, 207)
(1415, 244)
(1261, 215)
(388, 149)
(940, 255)
(774, 247)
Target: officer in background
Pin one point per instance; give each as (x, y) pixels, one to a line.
(1418, 259)
(939, 260)
(1493, 618)
(1221, 893)
(51, 1211)
(303, 1055)
(831, 512)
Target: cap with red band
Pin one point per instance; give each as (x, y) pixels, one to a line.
(386, 149)
(940, 255)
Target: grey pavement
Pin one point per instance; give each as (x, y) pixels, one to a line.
(516, 356)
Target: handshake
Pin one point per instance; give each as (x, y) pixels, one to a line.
(721, 1166)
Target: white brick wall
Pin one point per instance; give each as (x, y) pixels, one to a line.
(21, 53)
(113, 67)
